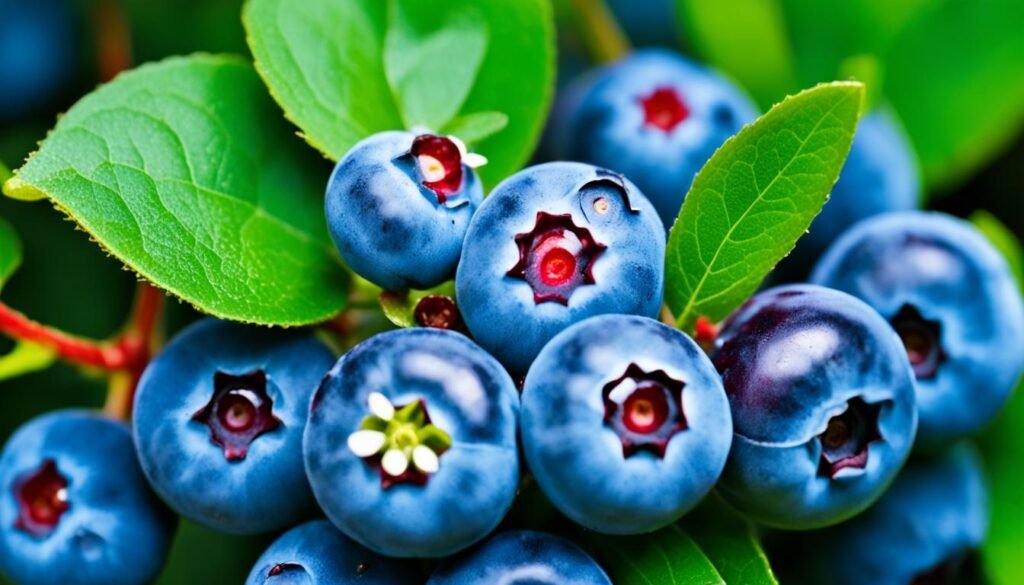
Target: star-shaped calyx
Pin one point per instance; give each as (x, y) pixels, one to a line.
(922, 339)
(42, 497)
(664, 109)
(844, 443)
(645, 409)
(239, 411)
(400, 441)
(556, 257)
(439, 161)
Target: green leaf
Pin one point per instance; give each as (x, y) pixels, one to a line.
(10, 251)
(730, 542)
(1004, 240)
(666, 557)
(25, 358)
(1004, 450)
(746, 39)
(472, 128)
(431, 58)
(755, 197)
(345, 69)
(181, 170)
(956, 77)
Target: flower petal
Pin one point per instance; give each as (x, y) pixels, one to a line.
(394, 462)
(380, 406)
(474, 160)
(366, 442)
(425, 459)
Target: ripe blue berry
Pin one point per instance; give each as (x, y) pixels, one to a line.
(521, 558)
(951, 297)
(923, 530)
(411, 443)
(625, 423)
(654, 116)
(553, 245)
(822, 401)
(398, 206)
(38, 41)
(75, 507)
(315, 553)
(880, 175)
(219, 416)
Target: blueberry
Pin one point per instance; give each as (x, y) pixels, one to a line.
(822, 401)
(521, 558)
(315, 553)
(38, 41)
(625, 423)
(75, 507)
(923, 530)
(552, 245)
(654, 116)
(952, 299)
(880, 175)
(398, 206)
(219, 416)
(411, 443)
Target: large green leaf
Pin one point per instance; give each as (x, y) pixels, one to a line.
(666, 557)
(745, 39)
(345, 69)
(1003, 445)
(730, 542)
(755, 197)
(10, 251)
(956, 77)
(181, 170)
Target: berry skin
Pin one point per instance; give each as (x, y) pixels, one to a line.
(521, 558)
(411, 443)
(951, 296)
(625, 423)
(654, 116)
(315, 553)
(398, 206)
(218, 424)
(552, 245)
(75, 507)
(923, 530)
(822, 400)
(880, 176)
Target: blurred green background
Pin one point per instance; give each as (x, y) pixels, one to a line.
(69, 282)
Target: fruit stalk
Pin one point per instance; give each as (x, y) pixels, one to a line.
(604, 39)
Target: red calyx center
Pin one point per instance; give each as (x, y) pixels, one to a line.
(439, 163)
(42, 497)
(921, 338)
(438, 312)
(664, 109)
(556, 257)
(645, 409)
(239, 411)
(844, 443)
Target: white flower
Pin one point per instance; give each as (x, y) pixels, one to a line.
(424, 459)
(471, 159)
(394, 462)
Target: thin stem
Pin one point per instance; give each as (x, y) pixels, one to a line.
(114, 44)
(86, 352)
(604, 39)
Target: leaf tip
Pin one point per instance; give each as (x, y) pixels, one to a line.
(15, 188)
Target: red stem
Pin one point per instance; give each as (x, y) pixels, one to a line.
(86, 352)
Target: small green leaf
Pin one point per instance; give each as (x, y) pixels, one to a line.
(1004, 240)
(473, 128)
(746, 39)
(666, 557)
(867, 69)
(755, 197)
(1004, 450)
(730, 542)
(25, 358)
(184, 171)
(431, 58)
(10, 251)
(345, 69)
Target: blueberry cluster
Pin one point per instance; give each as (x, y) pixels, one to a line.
(800, 413)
